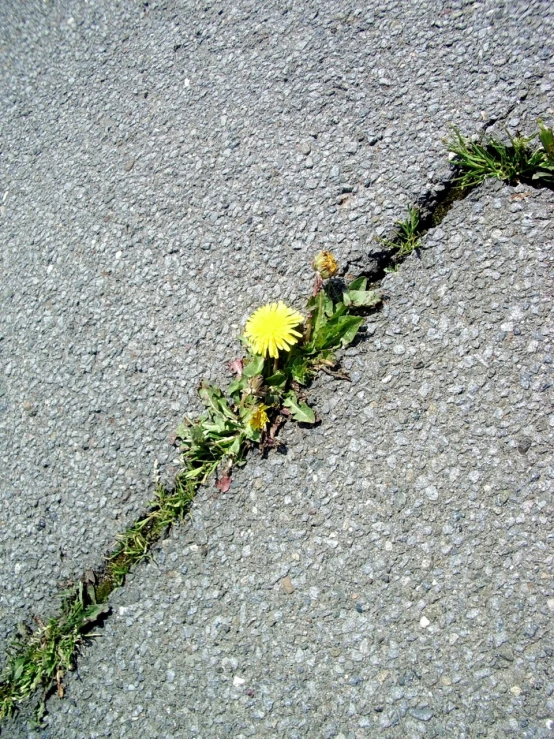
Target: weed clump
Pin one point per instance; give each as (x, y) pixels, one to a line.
(38, 660)
(407, 238)
(513, 162)
(285, 349)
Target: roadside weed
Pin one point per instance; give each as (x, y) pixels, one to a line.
(38, 660)
(408, 236)
(516, 161)
(268, 388)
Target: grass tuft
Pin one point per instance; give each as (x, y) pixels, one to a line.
(408, 236)
(135, 543)
(517, 161)
(38, 660)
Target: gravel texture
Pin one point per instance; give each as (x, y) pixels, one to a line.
(391, 574)
(166, 167)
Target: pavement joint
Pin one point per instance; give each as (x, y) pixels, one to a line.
(95, 586)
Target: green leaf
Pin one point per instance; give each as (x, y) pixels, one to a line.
(361, 298)
(300, 411)
(253, 434)
(92, 613)
(197, 435)
(318, 304)
(547, 140)
(213, 399)
(278, 380)
(234, 448)
(183, 431)
(350, 327)
(339, 332)
(298, 370)
(215, 427)
(254, 367)
(19, 666)
(328, 307)
(359, 283)
(236, 387)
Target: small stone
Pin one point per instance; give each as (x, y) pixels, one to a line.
(351, 147)
(424, 622)
(287, 585)
(29, 408)
(129, 165)
(373, 138)
(238, 681)
(421, 714)
(309, 163)
(305, 147)
(431, 492)
(524, 445)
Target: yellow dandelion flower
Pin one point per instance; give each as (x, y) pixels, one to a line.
(271, 329)
(259, 418)
(326, 264)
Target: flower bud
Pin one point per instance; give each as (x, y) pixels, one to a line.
(325, 264)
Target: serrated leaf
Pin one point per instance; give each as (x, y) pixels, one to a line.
(361, 298)
(359, 283)
(339, 332)
(277, 380)
(298, 369)
(254, 367)
(300, 411)
(213, 399)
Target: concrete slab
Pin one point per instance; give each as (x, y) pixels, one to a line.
(166, 167)
(414, 527)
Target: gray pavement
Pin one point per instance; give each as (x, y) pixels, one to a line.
(414, 525)
(166, 167)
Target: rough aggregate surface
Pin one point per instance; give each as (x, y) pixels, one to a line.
(165, 168)
(391, 574)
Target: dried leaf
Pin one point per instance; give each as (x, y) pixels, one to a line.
(224, 483)
(236, 366)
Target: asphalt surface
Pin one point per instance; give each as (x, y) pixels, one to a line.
(167, 167)
(413, 527)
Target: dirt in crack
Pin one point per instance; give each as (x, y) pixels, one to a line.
(429, 212)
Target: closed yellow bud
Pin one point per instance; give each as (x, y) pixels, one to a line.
(325, 264)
